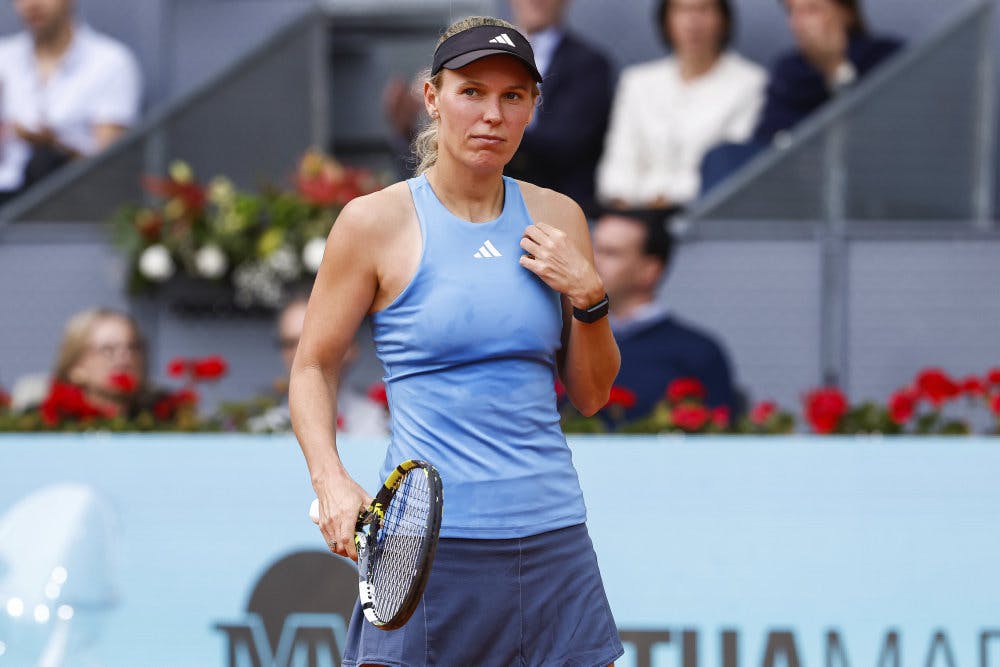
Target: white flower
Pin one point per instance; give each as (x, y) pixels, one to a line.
(210, 261)
(156, 264)
(284, 263)
(180, 171)
(221, 191)
(312, 254)
(256, 283)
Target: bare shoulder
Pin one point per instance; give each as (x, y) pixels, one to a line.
(376, 215)
(553, 208)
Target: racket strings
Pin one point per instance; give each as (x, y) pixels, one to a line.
(400, 545)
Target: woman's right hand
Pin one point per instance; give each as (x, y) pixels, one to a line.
(341, 500)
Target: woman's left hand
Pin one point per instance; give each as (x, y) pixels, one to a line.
(553, 257)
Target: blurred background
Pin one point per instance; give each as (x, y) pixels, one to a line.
(858, 254)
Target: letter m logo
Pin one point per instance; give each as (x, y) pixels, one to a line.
(307, 640)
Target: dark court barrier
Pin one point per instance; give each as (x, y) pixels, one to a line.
(196, 550)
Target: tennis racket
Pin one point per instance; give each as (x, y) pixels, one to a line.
(397, 537)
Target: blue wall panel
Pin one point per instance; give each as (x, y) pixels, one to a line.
(789, 546)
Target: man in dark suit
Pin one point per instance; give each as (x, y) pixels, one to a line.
(834, 48)
(631, 253)
(563, 143)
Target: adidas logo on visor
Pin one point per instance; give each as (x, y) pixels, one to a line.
(503, 38)
(486, 251)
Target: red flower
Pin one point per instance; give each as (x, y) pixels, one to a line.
(66, 401)
(4, 399)
(684, 388)
(150, 225)
(720, 416)
(622, 397)
(191, 194)
(690, 417)
(186, 397)
(377, 393)
(824, 407)
(762, 412)
(901, 405)
(124, 382)
(973, 386)
(166, 408)
(163, 409)
(995, 405)
(178, 367)
(994, 375)
(209, 368)
(935, 385)
(332, 185)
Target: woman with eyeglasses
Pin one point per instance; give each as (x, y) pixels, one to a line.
(103, 354)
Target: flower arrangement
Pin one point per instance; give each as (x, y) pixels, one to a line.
(66, 407)
(257, 243)
(919, 408)
(681, 410)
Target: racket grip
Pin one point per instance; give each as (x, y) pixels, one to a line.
(314, 511)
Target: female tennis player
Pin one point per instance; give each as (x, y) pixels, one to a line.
(479, 289)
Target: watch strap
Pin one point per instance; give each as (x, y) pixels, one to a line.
(593, 313)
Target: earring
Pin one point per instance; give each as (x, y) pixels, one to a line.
(434, 115)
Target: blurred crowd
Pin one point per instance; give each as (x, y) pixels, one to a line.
(636, 152)
(633, 149)
(671, 128)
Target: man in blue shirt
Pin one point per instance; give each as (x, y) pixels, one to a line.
(631, 253)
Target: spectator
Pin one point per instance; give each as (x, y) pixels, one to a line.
(562, 144)
(631, 253)
(67, 92)
(357, 413)
(833, 50)
(667, 113)
(103, 355)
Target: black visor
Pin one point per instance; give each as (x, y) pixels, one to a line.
(484, 40)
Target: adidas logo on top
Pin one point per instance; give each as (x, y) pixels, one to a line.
(486, 251)
(502, 38)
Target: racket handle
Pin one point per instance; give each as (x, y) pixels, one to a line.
(314, 511)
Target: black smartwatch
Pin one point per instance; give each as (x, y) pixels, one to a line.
(593, 313)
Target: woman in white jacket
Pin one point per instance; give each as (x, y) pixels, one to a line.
(668, 112)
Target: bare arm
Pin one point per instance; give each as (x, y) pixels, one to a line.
(104, 135)
(560, 253)
(107, 133)
(343, 293)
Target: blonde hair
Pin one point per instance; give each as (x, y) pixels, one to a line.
(425, 144)
(76, 338)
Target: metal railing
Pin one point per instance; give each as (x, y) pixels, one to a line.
(912, 142)
(906, 154)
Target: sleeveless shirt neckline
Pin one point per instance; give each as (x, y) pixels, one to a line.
(485, 223)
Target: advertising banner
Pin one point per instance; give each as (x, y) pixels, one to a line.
(159, 550)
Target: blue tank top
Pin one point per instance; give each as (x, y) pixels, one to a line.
(468, 349)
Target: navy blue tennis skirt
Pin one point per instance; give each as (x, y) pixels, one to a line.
(529, 602)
